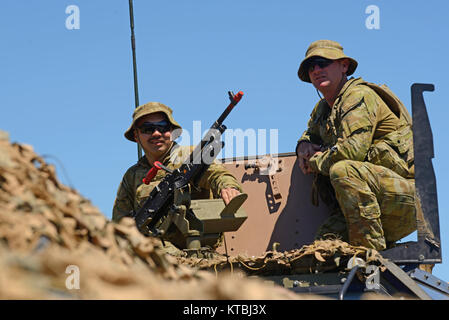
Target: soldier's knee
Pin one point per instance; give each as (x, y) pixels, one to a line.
(341, 169)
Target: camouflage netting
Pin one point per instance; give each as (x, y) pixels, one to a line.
(320, 256)
(47, 228)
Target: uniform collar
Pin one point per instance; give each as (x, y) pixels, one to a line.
(352, 81)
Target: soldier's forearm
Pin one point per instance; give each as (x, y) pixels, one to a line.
(353, 148)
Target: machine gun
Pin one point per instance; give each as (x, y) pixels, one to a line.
(169, 202)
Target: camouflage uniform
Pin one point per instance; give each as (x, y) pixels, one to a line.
(368, 160)
(132, 192)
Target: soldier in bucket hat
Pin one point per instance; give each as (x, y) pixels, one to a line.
(155, 129)
(360, 151)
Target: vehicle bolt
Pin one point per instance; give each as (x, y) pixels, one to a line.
(421, 257)
(343, 280)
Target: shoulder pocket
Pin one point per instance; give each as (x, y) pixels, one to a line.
(354, 117)
(355, 124)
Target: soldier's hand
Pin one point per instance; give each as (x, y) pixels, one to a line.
(227, 194)
(305, 150)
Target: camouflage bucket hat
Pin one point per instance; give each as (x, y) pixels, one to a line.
(327, 49)
(148, 108)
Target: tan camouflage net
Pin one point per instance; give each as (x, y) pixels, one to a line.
(37, 210)
(320, 256)
(46, 227)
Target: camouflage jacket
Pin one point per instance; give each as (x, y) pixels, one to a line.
(132, 192)
(361, 127)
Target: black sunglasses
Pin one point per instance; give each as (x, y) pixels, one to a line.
(151, 127)
(321, 62)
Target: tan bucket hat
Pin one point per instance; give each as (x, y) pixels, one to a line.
(327, 49)
(148, 108)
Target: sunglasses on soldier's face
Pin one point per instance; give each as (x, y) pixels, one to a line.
(321, 62)
(151, 127)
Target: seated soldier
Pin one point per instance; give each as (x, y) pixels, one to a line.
(153, 127)
(360, 152)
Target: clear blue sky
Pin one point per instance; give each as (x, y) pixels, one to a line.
(69, 93)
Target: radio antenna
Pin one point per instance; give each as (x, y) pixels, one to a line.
(133, 46)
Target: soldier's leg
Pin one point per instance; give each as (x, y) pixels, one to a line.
(364, 191)
(335, 225)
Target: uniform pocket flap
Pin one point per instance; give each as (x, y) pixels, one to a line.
(371, 211)
(349, 127)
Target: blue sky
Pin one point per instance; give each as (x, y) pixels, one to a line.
(69, 93)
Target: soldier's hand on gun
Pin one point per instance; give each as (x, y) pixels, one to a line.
(305, 151)
(227, 194)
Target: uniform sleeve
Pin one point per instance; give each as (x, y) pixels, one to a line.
(311, 134)
(123, 204)
(217, 178)
(306, 136)
(355, 129)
